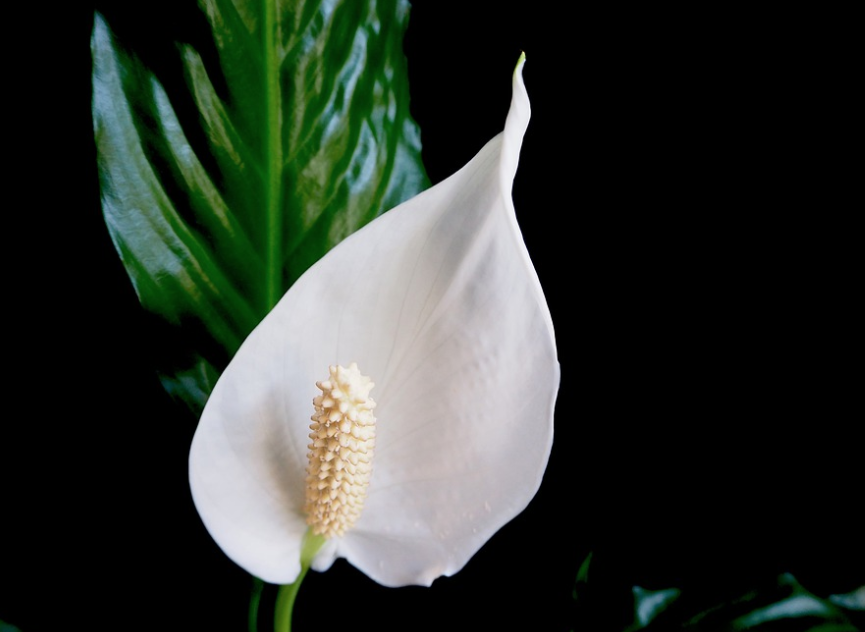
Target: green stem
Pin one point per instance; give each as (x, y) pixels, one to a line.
(285, 603)
(254, 601)
(287, 593)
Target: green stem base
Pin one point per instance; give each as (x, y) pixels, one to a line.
(288, 593)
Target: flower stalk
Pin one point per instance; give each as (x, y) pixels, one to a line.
(287, 594)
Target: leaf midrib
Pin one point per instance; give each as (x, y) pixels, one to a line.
(273, 157)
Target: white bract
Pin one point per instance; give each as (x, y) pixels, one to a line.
(438, 303)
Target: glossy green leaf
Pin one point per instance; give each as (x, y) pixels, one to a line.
(782, 605)
(648, 604)
(758, 603)
(303, 135)
(854, 600)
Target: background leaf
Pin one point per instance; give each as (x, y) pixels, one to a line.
(747, 602)
(290, 134)
(782, 604)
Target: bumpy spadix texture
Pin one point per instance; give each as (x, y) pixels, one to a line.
(340, 452)
(438, 301)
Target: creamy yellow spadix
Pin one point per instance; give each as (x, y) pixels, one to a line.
(340, 452)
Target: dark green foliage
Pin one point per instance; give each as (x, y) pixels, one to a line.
(302, 135)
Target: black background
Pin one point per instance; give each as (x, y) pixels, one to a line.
(687, 198)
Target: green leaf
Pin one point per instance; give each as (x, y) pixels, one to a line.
(583, 572)
(759, 602)
(854, 600)
(582, 577)
(648, 604)
(302, 136)
(782, 605)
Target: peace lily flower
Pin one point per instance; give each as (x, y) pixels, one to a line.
(396, 407)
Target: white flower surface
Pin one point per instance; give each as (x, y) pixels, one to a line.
(438, 303)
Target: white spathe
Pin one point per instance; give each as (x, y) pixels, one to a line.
(438, 302)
